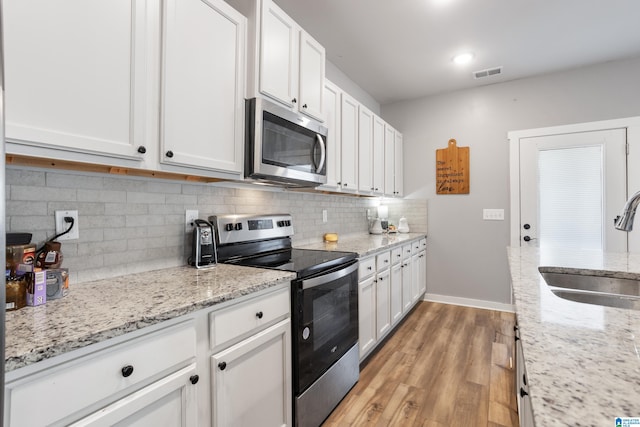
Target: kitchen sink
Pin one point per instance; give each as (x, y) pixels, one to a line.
(593, 289)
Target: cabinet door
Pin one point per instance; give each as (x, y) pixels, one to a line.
(407, 279)
(278, 54)
(168, 402)
(396, 293)
(366, 315)
(378, 155)
(389, 162)
(383, 303)
(312, 60)
(365, 150)
(203, 85)
(251, 381)
(422, 272)
(76, 77)
(415, 277)
(332, 103)
(349, 139)
(398, 169)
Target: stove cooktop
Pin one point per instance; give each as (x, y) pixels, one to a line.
(304, 262)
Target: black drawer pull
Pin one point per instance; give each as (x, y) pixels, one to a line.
(259, 315)
(222, 365)
(169, 154)
(523, 393)
(194, 379)
(142, 149)
(127, 371)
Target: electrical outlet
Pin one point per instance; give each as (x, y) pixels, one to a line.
(190, 216)
(324, 215)
(62, 226)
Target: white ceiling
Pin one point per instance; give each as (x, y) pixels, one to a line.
(402, 49)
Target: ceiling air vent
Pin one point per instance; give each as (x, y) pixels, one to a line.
(487, 73)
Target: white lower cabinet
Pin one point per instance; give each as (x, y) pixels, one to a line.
(226, 366)
(140, 378)
(525, 411)
(168, 402)
(366, 315)
(251, 381)
(389, 285)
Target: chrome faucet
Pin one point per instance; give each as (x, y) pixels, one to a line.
(625, 222)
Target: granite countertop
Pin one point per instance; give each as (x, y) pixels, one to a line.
(365, 244)
(582, 360)
(96, 311)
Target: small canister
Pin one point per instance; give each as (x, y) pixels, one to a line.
(16, 291)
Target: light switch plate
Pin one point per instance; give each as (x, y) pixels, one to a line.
(493, 214)
(190, 216)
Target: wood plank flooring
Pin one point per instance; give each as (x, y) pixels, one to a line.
(445, 365)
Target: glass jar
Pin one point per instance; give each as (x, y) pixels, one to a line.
(16, 290)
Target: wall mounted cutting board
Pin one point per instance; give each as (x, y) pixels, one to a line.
(452, 169)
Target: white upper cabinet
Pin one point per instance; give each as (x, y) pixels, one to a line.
(398, 169)
(285, 62)
(202, 109)
(365, 150)
(332, 122)
(389, 162)
(349, 141)
(76, 77)
(378, 155)
(312, 70)
(278, 38)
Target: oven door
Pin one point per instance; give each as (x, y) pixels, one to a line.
(325, 323)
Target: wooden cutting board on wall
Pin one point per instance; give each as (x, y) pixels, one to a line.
(452, 169)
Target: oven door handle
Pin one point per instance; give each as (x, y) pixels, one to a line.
(321, 280)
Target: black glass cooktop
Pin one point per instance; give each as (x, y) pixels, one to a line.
(305, 262)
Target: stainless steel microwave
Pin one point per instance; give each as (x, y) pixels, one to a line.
(283, 147)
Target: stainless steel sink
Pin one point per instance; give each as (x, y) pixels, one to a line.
(593, 288)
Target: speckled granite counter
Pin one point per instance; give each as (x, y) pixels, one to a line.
(365, 244)
(582, 360)
(96, 311)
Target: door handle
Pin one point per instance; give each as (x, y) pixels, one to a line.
(528, 239)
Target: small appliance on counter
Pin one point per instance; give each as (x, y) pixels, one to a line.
(203, 251)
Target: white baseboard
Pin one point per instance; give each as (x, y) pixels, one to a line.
(468, 302)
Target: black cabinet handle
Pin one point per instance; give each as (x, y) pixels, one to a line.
(517, 338)
(345, 184)
(222, 365)
(294, 100)
(524, 379)
(142, 149)
(523, 393)
(259, 315)
(194, 379)
(127, 371)
(169, 154)
(369, 268)
(304, 106)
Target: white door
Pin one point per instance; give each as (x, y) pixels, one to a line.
(572, 186)
(365, 150)
(366, 315)
(349, 141)
(311, 76)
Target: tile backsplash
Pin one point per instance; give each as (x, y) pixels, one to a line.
(130, 225)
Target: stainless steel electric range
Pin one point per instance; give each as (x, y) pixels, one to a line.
(324, 307)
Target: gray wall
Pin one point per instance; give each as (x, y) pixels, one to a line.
(132, 225)
(336, 76)
(467, 255)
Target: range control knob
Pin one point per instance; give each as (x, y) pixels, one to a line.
(238, 226)
(228, 227)
(288, 223)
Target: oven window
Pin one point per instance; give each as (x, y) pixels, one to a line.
(288, 145)
(330, 313)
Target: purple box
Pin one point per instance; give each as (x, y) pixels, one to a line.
(36, 288)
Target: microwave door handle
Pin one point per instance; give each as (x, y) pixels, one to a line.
(323, 153)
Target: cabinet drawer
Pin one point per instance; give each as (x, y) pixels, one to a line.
(406, 251)
(396, 255)
(81, 383)
(423, 243)
(366, 267)
(231, 324)
(415, 247)
(383, 260)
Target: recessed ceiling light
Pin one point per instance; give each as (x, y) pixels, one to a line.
(463, 58)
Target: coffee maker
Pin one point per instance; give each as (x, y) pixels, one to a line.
(203, 251)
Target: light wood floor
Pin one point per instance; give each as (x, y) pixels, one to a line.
(444, 366)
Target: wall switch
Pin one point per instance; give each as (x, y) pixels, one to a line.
(190, 216)
(62, 225)
(324, 215)
(493, 214)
